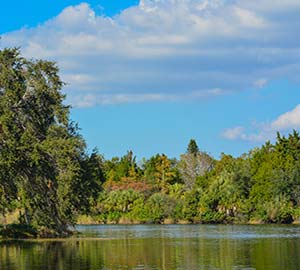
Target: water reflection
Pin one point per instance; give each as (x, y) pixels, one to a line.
(161, 247)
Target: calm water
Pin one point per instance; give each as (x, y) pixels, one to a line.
(164, 247)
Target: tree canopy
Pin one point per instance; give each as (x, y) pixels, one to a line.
(41, 151)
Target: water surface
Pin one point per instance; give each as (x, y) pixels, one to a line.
(165, 247)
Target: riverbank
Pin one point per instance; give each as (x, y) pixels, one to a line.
(11, 229)
(89, 220)
(25, 232)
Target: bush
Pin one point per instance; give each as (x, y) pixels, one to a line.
(159, 207)
(278, 210)
(211, 216)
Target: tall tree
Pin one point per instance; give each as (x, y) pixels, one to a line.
(40, 149)
(193, 164)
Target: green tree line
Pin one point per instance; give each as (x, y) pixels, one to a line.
(47, 176)
(260, 186)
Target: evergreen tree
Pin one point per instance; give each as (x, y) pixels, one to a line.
(192, 148)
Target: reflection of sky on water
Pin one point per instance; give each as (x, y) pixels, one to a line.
(191, 231)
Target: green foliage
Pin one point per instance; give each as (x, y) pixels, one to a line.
(113, 205)
(118, 168)
(261, 186)
(139, 212)
(278, 210)
(191, 204)
(193, 148)
(161, 172)
(159, 207)
(91, 181)
(42, 158)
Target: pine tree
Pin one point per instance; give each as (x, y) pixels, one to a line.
(193, 148)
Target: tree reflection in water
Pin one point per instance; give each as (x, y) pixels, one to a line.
(165, 253)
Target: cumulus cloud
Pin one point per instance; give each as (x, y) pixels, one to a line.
(288, 120)
(168, 49)
(265, 131)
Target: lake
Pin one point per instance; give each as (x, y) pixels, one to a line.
(164, 247)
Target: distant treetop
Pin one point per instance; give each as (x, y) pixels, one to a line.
(193, 147)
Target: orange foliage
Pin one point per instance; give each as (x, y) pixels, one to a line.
(128, 183)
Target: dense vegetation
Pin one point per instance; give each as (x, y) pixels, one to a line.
(49, 179)
(45, 173)
(261, 186)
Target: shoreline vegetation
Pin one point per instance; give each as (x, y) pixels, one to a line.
(167, 221)
(49, 182)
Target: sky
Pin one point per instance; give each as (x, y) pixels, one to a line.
(149, 75)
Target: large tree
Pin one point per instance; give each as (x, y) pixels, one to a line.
(41, 152)
(194, 163)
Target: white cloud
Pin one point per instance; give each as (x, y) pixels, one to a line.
(78, 79)
(288, 120)
(90, 100)
(260, 132)
(168, 48)
(233, 133)
(249, 18)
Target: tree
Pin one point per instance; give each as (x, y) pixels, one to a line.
(118, 168)
(123, 173)
(192, 148)
(40, 148)
(160, 172)
(193, 164)
(92, 180)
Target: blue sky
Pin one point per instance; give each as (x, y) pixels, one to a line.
(149, 75)
(17, 14)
